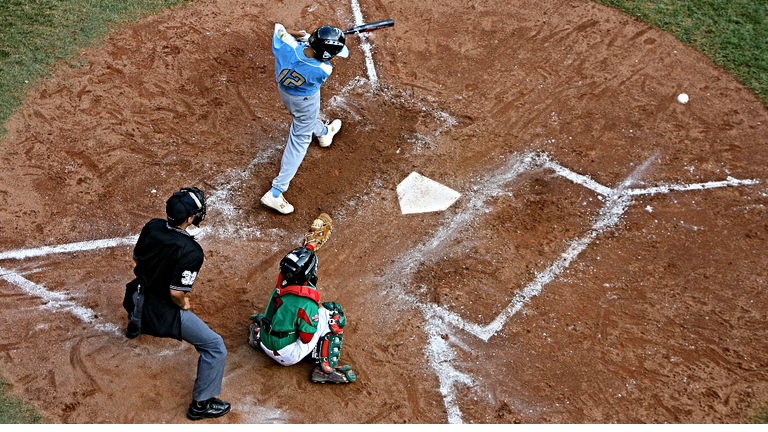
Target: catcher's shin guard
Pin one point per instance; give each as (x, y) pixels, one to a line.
(326, 356)
(328, 350)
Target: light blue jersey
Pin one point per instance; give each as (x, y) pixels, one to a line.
(296, 73)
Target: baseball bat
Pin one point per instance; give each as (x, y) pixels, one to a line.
(364, 28)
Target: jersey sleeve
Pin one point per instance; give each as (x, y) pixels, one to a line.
(281, 38)
(186, 270)
(306, 321)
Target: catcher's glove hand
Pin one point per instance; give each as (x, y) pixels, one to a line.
(319, 231)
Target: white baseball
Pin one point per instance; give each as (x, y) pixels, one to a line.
(682, 98)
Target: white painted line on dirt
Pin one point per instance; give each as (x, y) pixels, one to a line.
(440, 354)
(583, 180)
(439, 319)
(71, 247)
(697, 186)
(365, 46)
(56, 301)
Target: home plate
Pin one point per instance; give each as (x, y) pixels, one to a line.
(418, 194)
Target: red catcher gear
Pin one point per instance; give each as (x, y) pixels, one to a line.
(328, 350)
(299, 290)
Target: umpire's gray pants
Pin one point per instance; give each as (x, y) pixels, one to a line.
(213, 353)
(305, 110)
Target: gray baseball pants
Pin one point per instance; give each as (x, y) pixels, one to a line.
(213, 353)
(305, 111)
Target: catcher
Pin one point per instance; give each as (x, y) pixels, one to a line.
(296, 325)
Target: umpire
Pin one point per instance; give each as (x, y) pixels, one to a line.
(167, 261)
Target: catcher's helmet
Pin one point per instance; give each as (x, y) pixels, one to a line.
(298, 267)
(328, 42)
(189, 201)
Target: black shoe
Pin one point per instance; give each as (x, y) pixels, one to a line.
(211, 408)
(132, 331)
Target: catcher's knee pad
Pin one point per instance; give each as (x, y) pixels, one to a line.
(336, 320)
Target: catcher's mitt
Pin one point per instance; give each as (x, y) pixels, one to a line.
(319, 231)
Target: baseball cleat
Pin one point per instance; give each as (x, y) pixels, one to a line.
(211, 408)
(279, 203)
(333, 129)
(337, 376)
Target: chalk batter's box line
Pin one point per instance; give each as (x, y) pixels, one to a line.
(613, 209)
(438, 318)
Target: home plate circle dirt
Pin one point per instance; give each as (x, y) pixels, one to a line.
(604, 262)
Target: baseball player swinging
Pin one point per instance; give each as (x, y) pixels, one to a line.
(301, 67)
(295, 324)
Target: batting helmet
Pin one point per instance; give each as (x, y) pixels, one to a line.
(328, 42)
(189, 201)
(298, 267)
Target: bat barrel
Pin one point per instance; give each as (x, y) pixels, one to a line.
(370, 26)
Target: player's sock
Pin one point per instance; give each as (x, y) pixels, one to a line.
(275, 192)
(325, 130)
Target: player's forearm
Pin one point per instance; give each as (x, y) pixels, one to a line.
(180, 299)
(297, 34)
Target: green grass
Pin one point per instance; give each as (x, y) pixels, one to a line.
(759, 417)
(13, 410)
(35, 35)
(733, 33)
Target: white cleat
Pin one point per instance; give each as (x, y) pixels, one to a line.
(279, 203)
(333, 129)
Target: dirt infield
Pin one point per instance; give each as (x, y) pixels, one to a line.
(606, 261)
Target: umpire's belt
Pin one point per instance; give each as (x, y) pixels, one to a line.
(278, 334)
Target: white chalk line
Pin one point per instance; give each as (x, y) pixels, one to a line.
(439, 319)
(71, 247)
(365, 45)
(57, 301)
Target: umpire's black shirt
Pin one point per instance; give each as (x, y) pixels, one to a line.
(166, 258)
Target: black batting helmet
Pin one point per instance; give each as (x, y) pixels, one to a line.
(328, 41)
(298, 267)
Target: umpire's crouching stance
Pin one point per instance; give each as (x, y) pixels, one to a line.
(167, 261)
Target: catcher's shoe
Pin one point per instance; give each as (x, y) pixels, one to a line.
(340, 375)
(211, 408)
(333, 129)
(133, 331)
(280, 204)
(254, 338)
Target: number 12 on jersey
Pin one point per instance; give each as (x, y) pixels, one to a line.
(293, 80)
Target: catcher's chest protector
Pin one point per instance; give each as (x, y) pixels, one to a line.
(299, 290)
